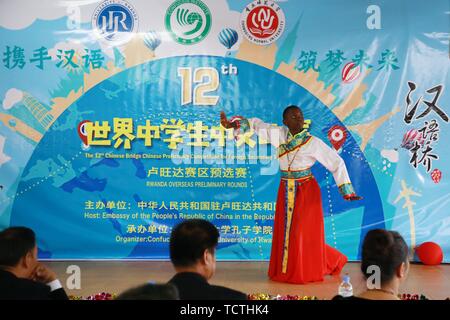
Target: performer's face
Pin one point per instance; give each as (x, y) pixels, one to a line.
(294, 120)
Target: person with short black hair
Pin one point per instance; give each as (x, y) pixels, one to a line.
(299, 252)
(150, 291)
(22, 277)
(192, 252)
(387, 252)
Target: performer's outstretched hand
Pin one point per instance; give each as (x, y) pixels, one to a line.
(224, 121)
(352, 197)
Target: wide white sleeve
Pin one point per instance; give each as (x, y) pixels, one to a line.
(331, 160)
(268, 132)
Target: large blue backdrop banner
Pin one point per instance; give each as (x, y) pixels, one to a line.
(110, 131)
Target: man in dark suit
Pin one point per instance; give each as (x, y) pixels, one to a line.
(22, 277)
(192, 251)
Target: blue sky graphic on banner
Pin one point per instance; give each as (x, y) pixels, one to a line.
(110, 134)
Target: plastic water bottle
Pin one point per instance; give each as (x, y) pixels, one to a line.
(345, 288)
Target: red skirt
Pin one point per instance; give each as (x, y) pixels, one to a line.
(299, 253)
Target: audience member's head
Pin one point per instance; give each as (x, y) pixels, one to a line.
(192, 247)
(388, 251)
(18, 251)
(150, 292)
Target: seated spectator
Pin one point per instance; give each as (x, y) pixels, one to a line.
(22, 277)
(388, 251)
(192, 252)
(150, 292)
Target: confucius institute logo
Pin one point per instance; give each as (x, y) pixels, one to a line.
(188, 21)
(262, 22)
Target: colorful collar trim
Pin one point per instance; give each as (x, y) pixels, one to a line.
(294, 142)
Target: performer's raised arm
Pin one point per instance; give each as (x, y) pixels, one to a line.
(331, 160)
(271, 133)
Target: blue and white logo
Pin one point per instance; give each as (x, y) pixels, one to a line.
(115, 21)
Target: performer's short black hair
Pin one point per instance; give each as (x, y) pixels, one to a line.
(190, 239)
(289, 108)
(15, 243)
(385, 249)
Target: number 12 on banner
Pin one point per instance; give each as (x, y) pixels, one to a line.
(205, 80)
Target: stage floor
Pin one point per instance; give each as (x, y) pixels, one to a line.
(249, 277)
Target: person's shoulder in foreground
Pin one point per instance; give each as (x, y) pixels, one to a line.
(192, 252)
(192, 285)
(14, 288)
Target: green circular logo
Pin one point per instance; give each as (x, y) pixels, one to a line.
(188, 21)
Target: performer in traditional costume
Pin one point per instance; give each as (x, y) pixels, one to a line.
(299, 253)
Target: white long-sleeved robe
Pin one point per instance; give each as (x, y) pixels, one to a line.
(303, 156)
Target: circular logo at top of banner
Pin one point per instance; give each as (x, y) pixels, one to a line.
(188, 21)
(115, 21)
(262, 22)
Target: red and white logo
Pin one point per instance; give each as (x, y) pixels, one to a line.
(262, 22)
(350, 72)
(337, 136)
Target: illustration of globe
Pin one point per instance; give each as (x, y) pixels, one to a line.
(60, 183)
